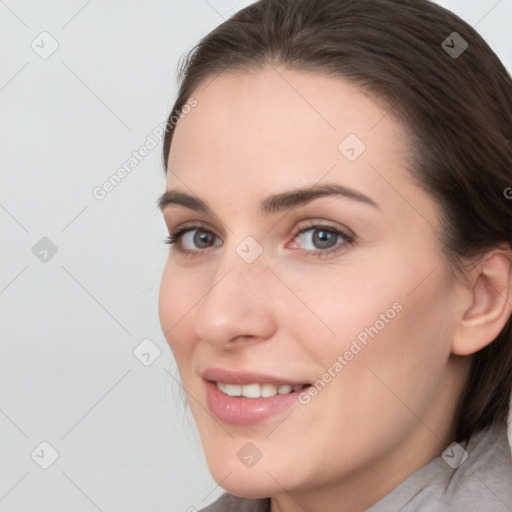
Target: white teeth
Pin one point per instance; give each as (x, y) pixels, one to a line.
(257, 390)
(232, 389)
(251, 390)
(268, 390)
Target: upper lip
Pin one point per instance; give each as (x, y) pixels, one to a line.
(241, 378)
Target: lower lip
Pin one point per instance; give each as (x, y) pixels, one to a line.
(239, 410)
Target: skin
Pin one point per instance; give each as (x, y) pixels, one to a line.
(290, 313)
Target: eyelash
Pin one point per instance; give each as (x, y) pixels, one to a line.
(177, 234)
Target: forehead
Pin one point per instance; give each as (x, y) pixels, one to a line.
(279, 108)
(264, 130)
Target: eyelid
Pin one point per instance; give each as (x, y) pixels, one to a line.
(193, 224)
(320, 223)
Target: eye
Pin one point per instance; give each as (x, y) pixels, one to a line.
(320, 240)
(192, 239)
(315, 240)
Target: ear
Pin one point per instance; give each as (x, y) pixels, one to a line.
(490, 299)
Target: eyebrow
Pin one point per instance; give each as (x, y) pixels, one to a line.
(283, 201)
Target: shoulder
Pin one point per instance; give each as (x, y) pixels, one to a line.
(486, 474)
(229, 503)
(473, 475)
(483, 480)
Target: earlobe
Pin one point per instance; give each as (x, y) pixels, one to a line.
(491, 304)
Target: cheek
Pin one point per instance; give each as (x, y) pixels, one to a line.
(379, 387)
(175, 308)
(396, 348)
(339, 304)
(376, 317)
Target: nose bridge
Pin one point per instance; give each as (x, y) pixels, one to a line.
(243, 266)
(238, 302)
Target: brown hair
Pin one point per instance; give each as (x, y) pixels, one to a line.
(457, 108)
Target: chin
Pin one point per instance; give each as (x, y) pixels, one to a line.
(259, 481)
(249, 487)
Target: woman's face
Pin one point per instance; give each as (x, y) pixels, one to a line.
(315, 262)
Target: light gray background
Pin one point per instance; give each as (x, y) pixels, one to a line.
(69, 376)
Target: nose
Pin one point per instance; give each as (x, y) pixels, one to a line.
(238, 306)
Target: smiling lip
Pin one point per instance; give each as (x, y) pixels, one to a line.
(229, 377)
(239, 410)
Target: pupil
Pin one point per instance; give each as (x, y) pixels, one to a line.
(202, 239)
(323, 239)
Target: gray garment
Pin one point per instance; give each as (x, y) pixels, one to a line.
(480, 483)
